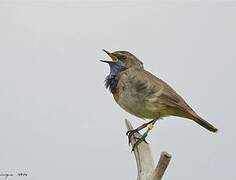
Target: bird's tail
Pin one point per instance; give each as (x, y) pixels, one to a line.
(190, 114)
(204, 123)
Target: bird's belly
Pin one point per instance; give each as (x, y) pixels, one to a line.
(138, 107)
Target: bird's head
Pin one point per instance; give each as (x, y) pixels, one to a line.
(116, 65)
(128, 59)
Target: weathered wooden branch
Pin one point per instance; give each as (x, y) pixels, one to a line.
(144, 159)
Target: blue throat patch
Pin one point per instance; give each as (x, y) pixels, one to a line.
(111, 80)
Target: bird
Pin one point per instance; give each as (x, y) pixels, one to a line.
(144, 95)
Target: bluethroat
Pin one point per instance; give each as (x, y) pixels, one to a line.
(144, 95)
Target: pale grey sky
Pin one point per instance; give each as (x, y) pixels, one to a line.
(59, 122)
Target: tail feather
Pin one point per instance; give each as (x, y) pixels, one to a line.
(190, 114)
(205, 124)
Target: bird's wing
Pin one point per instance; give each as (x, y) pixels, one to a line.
(174, 104)
(157, 91)
(141, 85)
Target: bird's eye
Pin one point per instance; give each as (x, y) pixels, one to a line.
(123, 57)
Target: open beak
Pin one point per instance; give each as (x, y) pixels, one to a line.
(108, 62)
(112, 56)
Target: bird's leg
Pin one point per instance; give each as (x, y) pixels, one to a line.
(131, 132)
(149, 128)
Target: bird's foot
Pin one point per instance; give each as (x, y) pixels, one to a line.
(130, 133)
(141, 139)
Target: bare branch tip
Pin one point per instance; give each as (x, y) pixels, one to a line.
(128, 124)
(166, 154)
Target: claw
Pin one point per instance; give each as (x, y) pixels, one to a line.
(130, 133)
(127, 133)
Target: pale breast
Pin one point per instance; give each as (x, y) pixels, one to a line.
(136, 95)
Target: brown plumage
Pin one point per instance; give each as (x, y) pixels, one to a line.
(144, 95)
